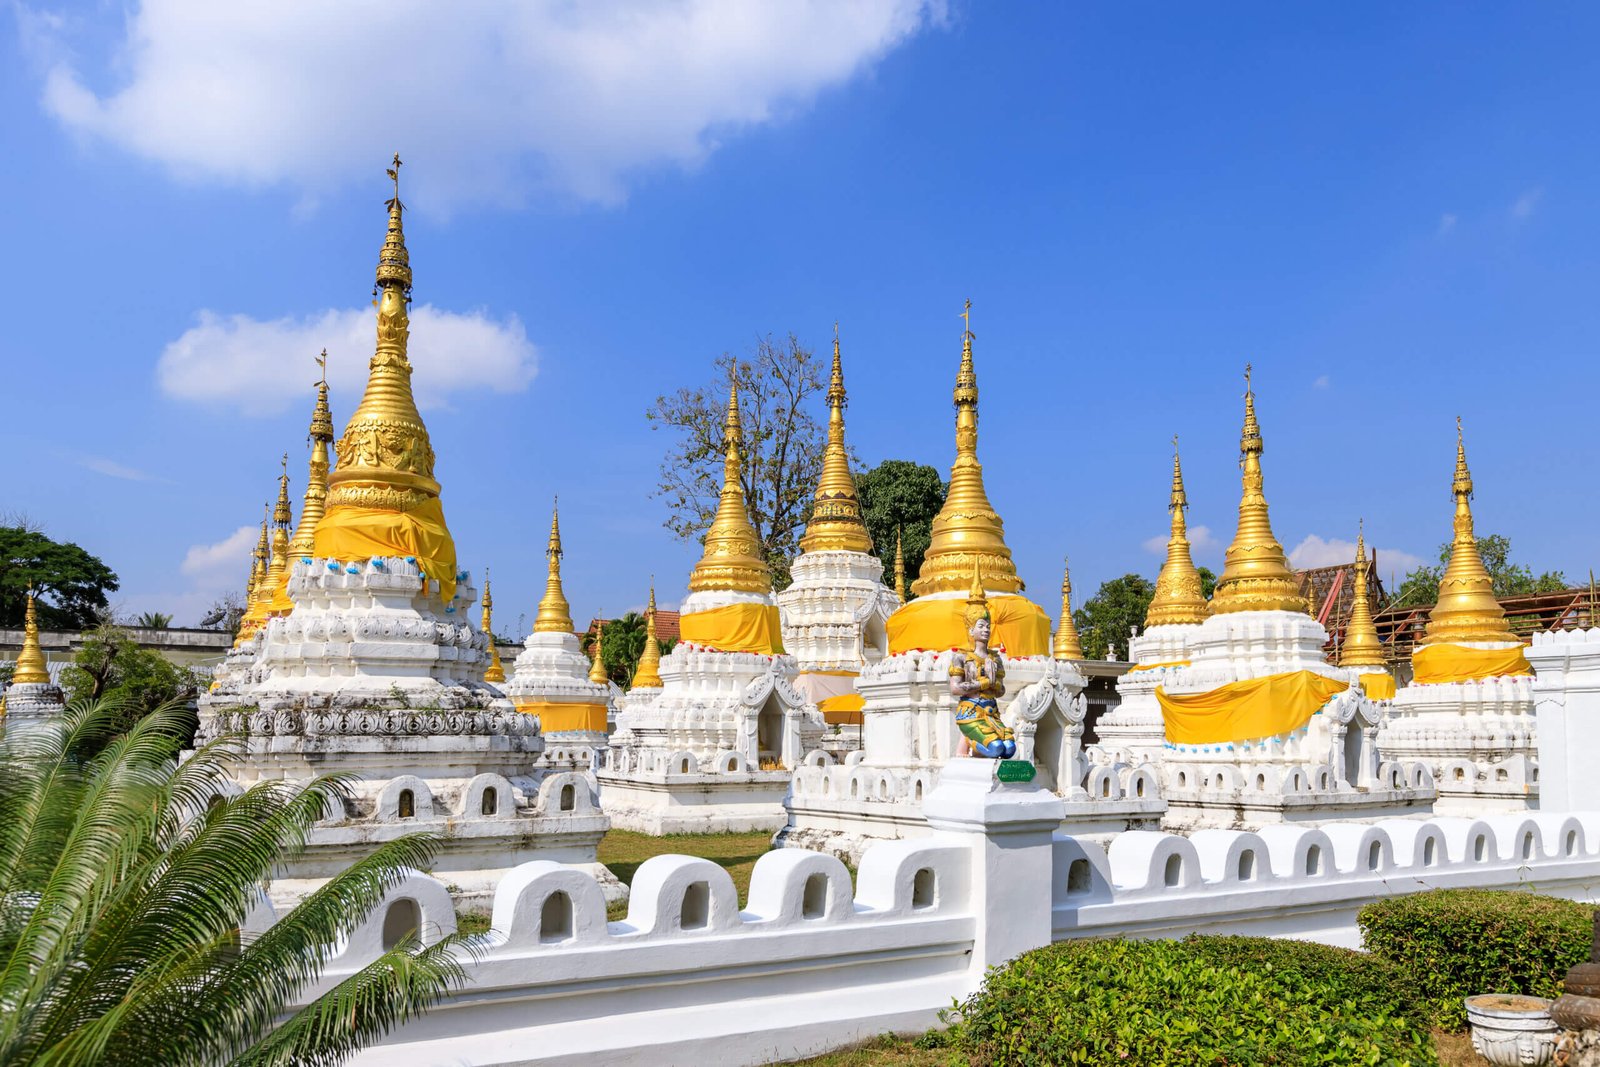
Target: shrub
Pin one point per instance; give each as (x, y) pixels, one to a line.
(1202, 1000)
(1456, 943)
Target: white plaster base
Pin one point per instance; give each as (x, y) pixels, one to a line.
(694, 803)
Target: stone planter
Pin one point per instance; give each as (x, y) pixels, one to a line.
(1511, 1030)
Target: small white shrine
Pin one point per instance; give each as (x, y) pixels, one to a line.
(31, 697)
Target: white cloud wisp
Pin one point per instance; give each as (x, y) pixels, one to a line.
(1200, 540)
(1315, 551)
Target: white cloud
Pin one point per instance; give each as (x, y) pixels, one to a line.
(239, 362)
(217, 566)
(1200, 540)
(1526, 203)
(1322, 381)
(112, 469)
(492, 100)
(1314, 551)
(1447, 223)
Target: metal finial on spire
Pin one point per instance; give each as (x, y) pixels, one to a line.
(322, 364)
(394, 175)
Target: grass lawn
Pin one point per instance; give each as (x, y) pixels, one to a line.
(625, 851)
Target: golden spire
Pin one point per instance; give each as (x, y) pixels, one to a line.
(1257, 576)
(647, 675)
(967, 532)
(597, 667)
(278, 565)
(1361, 646)
(733, 558)
(900, 566)
(303, 543)
(1178, 598)
(30, 668)
(1066, 645)
(555, 615)
(495, 672)
(836, 524)
(258, 566)
(1467, 609)
(385, 459)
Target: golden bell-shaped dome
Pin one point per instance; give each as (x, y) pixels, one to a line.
(1178, 599)
(1257, 575)
(495, 671)
(1467, 610)
(303, 543)
(647, 675)
(1361, 646)
(1066, 645)
(733, 559)
(967, 532)
(30, 668)
(555, 614)
(836, 524)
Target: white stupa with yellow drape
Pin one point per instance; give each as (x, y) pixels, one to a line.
(1259, 728)
(712, 749)
(1468, 712)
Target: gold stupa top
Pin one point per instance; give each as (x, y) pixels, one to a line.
(1178, 599)
(303, 543)
(278, 563)
(1067, 645)
(555, 614)
(733, 558)
(495, 672)
(647, 675)
(900, 566)
(1467, 610)
(30, 667)
(967, 532)
(597, 667)
(836, 524)
(263, 552)
(1361, 646)
(1257, 575)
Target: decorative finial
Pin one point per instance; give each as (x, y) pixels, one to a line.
(495, 672)
(836, 523)
(394, 175)
(1177, 600)
(1257, 575)
(322, 365)
(734, 558)
(1361, 647)
(30, 668)
(1067, 645)
(647, 675)
(555, 614)
(597, 667)
(1467, 611)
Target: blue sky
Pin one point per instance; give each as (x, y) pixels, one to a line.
(1389, 209)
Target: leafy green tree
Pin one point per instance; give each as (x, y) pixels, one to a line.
(1421, 585)
(1106, 619)
(153, 620)
(783, 444)
(1208, 582)
(72, 585)
(622, 647)
(111, 664)
(900, 496)
(126, 877)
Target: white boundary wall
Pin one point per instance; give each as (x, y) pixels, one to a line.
(688, 978)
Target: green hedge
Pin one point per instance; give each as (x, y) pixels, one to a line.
(1203, 1000)
(1455, 943)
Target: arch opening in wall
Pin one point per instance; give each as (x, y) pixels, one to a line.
(1079, 876)
(874, 640)
(1183, 779)
(555, 918)
(407, 807)
(1374, 855)
(1051, 752)
(1173, 875)
(1247, 865)
(1571, 845)
(402, 920)
(695, 912)
(683, 765)
(1352, 754)
(769, 733)
(917, 790)
(1313, 861)
(491, 801)
(814, 900)
(1527, 846)
(569, 797)
(1430, 852)
(1480, 848)
(1138, 786)
(923, 888)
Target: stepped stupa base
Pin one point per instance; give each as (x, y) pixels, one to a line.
(675, 796)
(1232, 797)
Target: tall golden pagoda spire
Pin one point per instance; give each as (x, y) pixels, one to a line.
(1257, 576)
(303, 543)
(597, 666)
(967, 532)
(495, 672)
(385, 459)
(1361, 646)
(1067, 645)
(647, 675)
(281, 517)
(836, 524)
(263, 552)
(900, 566)
(555, 614)
(733, 558)
(1178, 597)
(1467, 609)
(30, 667)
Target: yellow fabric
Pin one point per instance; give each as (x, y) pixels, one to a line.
(1245, 711)
(350, 533)
(735, 628)
(1453, 663)
(559, 718)
(1020, 627)
(1153, 666)
(844, 709)
(1379, 686)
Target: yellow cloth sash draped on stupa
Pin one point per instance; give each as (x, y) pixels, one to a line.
(1247, 711)
(843, 710)
(1020, 626)
(559, 718)
(736, 628)
(1378, 686)
(352, 533)
(1454, 663)
(1157, 666)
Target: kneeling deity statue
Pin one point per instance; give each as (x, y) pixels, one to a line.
(978, 681)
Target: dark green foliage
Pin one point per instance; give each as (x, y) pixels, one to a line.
(1198, 1001)
(1106, 619)
(111, 664)
(1456, 943)
(124, 880)
(71, 584)
(898, 496)
(1421, 586)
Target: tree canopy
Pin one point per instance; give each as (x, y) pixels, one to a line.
(71, 584)
(133, 680)
(783, 443)
(899, 495)
(622, 647)
(1421, 585)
